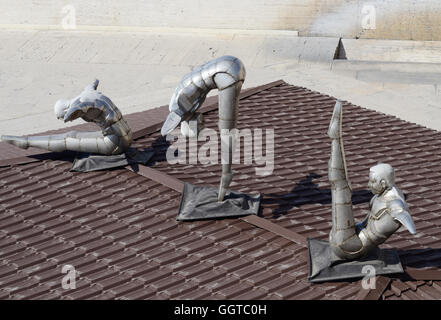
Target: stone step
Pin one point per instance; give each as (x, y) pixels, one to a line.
(390, 50)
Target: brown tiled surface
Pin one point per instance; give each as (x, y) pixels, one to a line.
(119, 230)
(413, 290)
(118, 227)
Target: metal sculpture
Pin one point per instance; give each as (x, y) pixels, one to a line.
(226, 74)
(92, 106)
(388, 208)
(353, 248)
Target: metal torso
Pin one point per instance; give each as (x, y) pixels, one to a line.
(193, 89)
(100, 110)
(381, 224)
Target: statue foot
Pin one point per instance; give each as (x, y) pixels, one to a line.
(334, 130)
(21, 142)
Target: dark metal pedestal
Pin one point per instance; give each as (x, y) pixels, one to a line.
(325, 267)
(85, 162)
(200, 203)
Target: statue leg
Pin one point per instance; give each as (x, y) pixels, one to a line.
(343, 238)
(228, 109)
(94, 142)
(91, 142)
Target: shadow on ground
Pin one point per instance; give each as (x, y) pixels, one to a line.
(307, 192)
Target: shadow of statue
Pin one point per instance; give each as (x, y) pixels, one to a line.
(159, 146)
(306, 191)
(421, 258)
(422, 261)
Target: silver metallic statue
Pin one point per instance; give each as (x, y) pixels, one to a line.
(92, 106)
(226, 74)
(388, 209)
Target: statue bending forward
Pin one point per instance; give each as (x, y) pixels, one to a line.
(226, 74)
(92, 106)
(388, 209)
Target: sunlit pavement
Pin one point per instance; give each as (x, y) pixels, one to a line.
(139, 71)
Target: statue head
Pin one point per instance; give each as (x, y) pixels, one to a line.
(61, 107)
(381, 177)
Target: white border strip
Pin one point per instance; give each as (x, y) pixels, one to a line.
(33, 27)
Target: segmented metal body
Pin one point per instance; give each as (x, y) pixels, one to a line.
(191, 92)
(388, 210)
(92, 106)
(226, 74)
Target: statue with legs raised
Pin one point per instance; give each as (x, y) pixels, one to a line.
(92, 106)
(388, 208)
(226, 74)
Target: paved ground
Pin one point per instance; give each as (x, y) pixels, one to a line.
(139, 71)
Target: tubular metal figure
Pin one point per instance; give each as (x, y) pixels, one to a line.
(91, 106)
(388, 209)
(227, 74)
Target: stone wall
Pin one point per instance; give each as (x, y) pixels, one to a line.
(381, 19)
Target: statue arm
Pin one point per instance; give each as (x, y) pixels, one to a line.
(88, 99)
(92, 86)
(400, 213)
(80, 108)
(74, 112)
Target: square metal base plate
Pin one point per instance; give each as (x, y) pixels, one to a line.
(323, 267)
(86, 162)
(200, 203)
